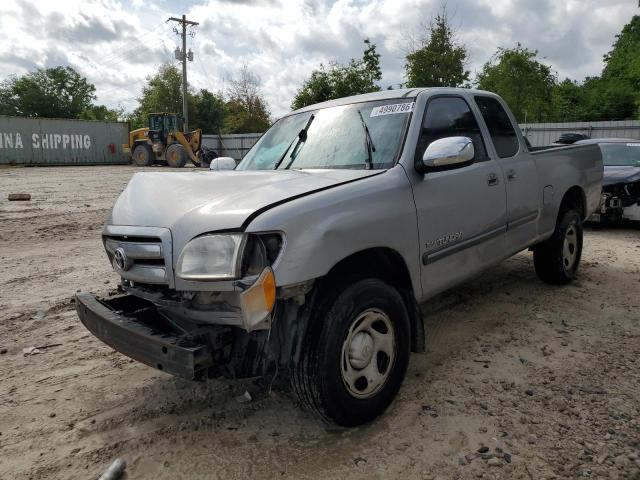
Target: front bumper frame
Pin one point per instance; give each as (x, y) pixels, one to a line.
(142, 334)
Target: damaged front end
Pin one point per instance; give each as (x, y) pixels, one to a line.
(621, 181)
(210, 313)
(136, 328)
(619, 201)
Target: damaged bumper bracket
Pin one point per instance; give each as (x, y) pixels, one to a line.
(139, 332)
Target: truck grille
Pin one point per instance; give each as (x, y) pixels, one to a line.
(139, 258)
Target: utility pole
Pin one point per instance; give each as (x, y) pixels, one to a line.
(182, 55)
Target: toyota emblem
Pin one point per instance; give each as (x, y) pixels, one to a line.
(120, 257)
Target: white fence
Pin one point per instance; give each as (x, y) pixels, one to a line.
(541, 134)
(235, 146)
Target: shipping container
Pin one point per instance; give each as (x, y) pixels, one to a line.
(53, 141)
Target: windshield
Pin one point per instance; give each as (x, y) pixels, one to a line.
(336, 137)
(621, 154)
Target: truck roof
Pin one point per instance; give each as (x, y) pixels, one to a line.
(387, 95)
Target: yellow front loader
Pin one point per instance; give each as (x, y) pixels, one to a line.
(163, 140)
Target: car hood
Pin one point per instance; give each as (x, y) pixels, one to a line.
(615, 175)
(191, 203)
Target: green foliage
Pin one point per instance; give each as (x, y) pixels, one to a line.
(615, 95)
(337, 81)
(606, 99)
(210, 112)
(525, 83)
(568, 100)
(163, 93)
(622, 63)
(246, 117)
(247, 110)
(439, 60)
(529, 86)
(58, 92)
(101, 112)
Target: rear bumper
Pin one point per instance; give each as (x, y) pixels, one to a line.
(134, 327)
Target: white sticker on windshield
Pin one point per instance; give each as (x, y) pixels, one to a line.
(633, 144)
(392, 109)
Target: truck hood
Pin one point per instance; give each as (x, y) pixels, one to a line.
(202, 201)
(623, 174)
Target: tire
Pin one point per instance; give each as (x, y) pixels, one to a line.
(176, 155)
(556, 260)
(143, 156)
(364, 330)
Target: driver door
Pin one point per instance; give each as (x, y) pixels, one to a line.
(461, 212)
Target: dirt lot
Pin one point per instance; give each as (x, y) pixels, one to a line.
(546, 378)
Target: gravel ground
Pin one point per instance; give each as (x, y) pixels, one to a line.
(522, 380)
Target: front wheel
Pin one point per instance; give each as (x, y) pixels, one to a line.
(355, 356)
(142, 155)
(176, 155)
(557, 259)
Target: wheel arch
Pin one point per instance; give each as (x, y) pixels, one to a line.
(388, 265)
(574, 199)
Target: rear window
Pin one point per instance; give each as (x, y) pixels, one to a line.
(502, 133)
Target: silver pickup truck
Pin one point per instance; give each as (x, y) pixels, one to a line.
(311, 257)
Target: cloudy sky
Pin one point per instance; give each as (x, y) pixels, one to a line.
(116, 44)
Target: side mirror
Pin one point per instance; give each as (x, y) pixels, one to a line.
(222, 163)
(448, 153)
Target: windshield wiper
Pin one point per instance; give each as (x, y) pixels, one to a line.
(301, 137)
(368, 143)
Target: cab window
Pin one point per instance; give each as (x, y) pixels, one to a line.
(502, 133)
(450, 117)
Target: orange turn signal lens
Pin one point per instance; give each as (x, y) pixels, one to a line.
(258, 300)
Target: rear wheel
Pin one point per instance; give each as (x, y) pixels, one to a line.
(143, 156)
(355, 356)
(557, 259)
(176, 155)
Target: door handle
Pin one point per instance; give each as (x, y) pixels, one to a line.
(511, 175)
(492, 179)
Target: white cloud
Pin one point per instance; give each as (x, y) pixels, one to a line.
(116, 44)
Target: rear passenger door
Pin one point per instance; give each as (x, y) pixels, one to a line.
(519, 170)
(461, 212)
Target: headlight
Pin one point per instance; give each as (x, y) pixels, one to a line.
(211, 257)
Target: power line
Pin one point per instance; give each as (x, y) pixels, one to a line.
(123, 54)
(118, 61)
(203, 69)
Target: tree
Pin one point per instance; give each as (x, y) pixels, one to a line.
(103, 113)
(439, 59)
(615, 95)
(337, 81)
(210, 111)
(247, 110)
(163, 93)
(525, 83)
(58, 92)
(568, 99)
